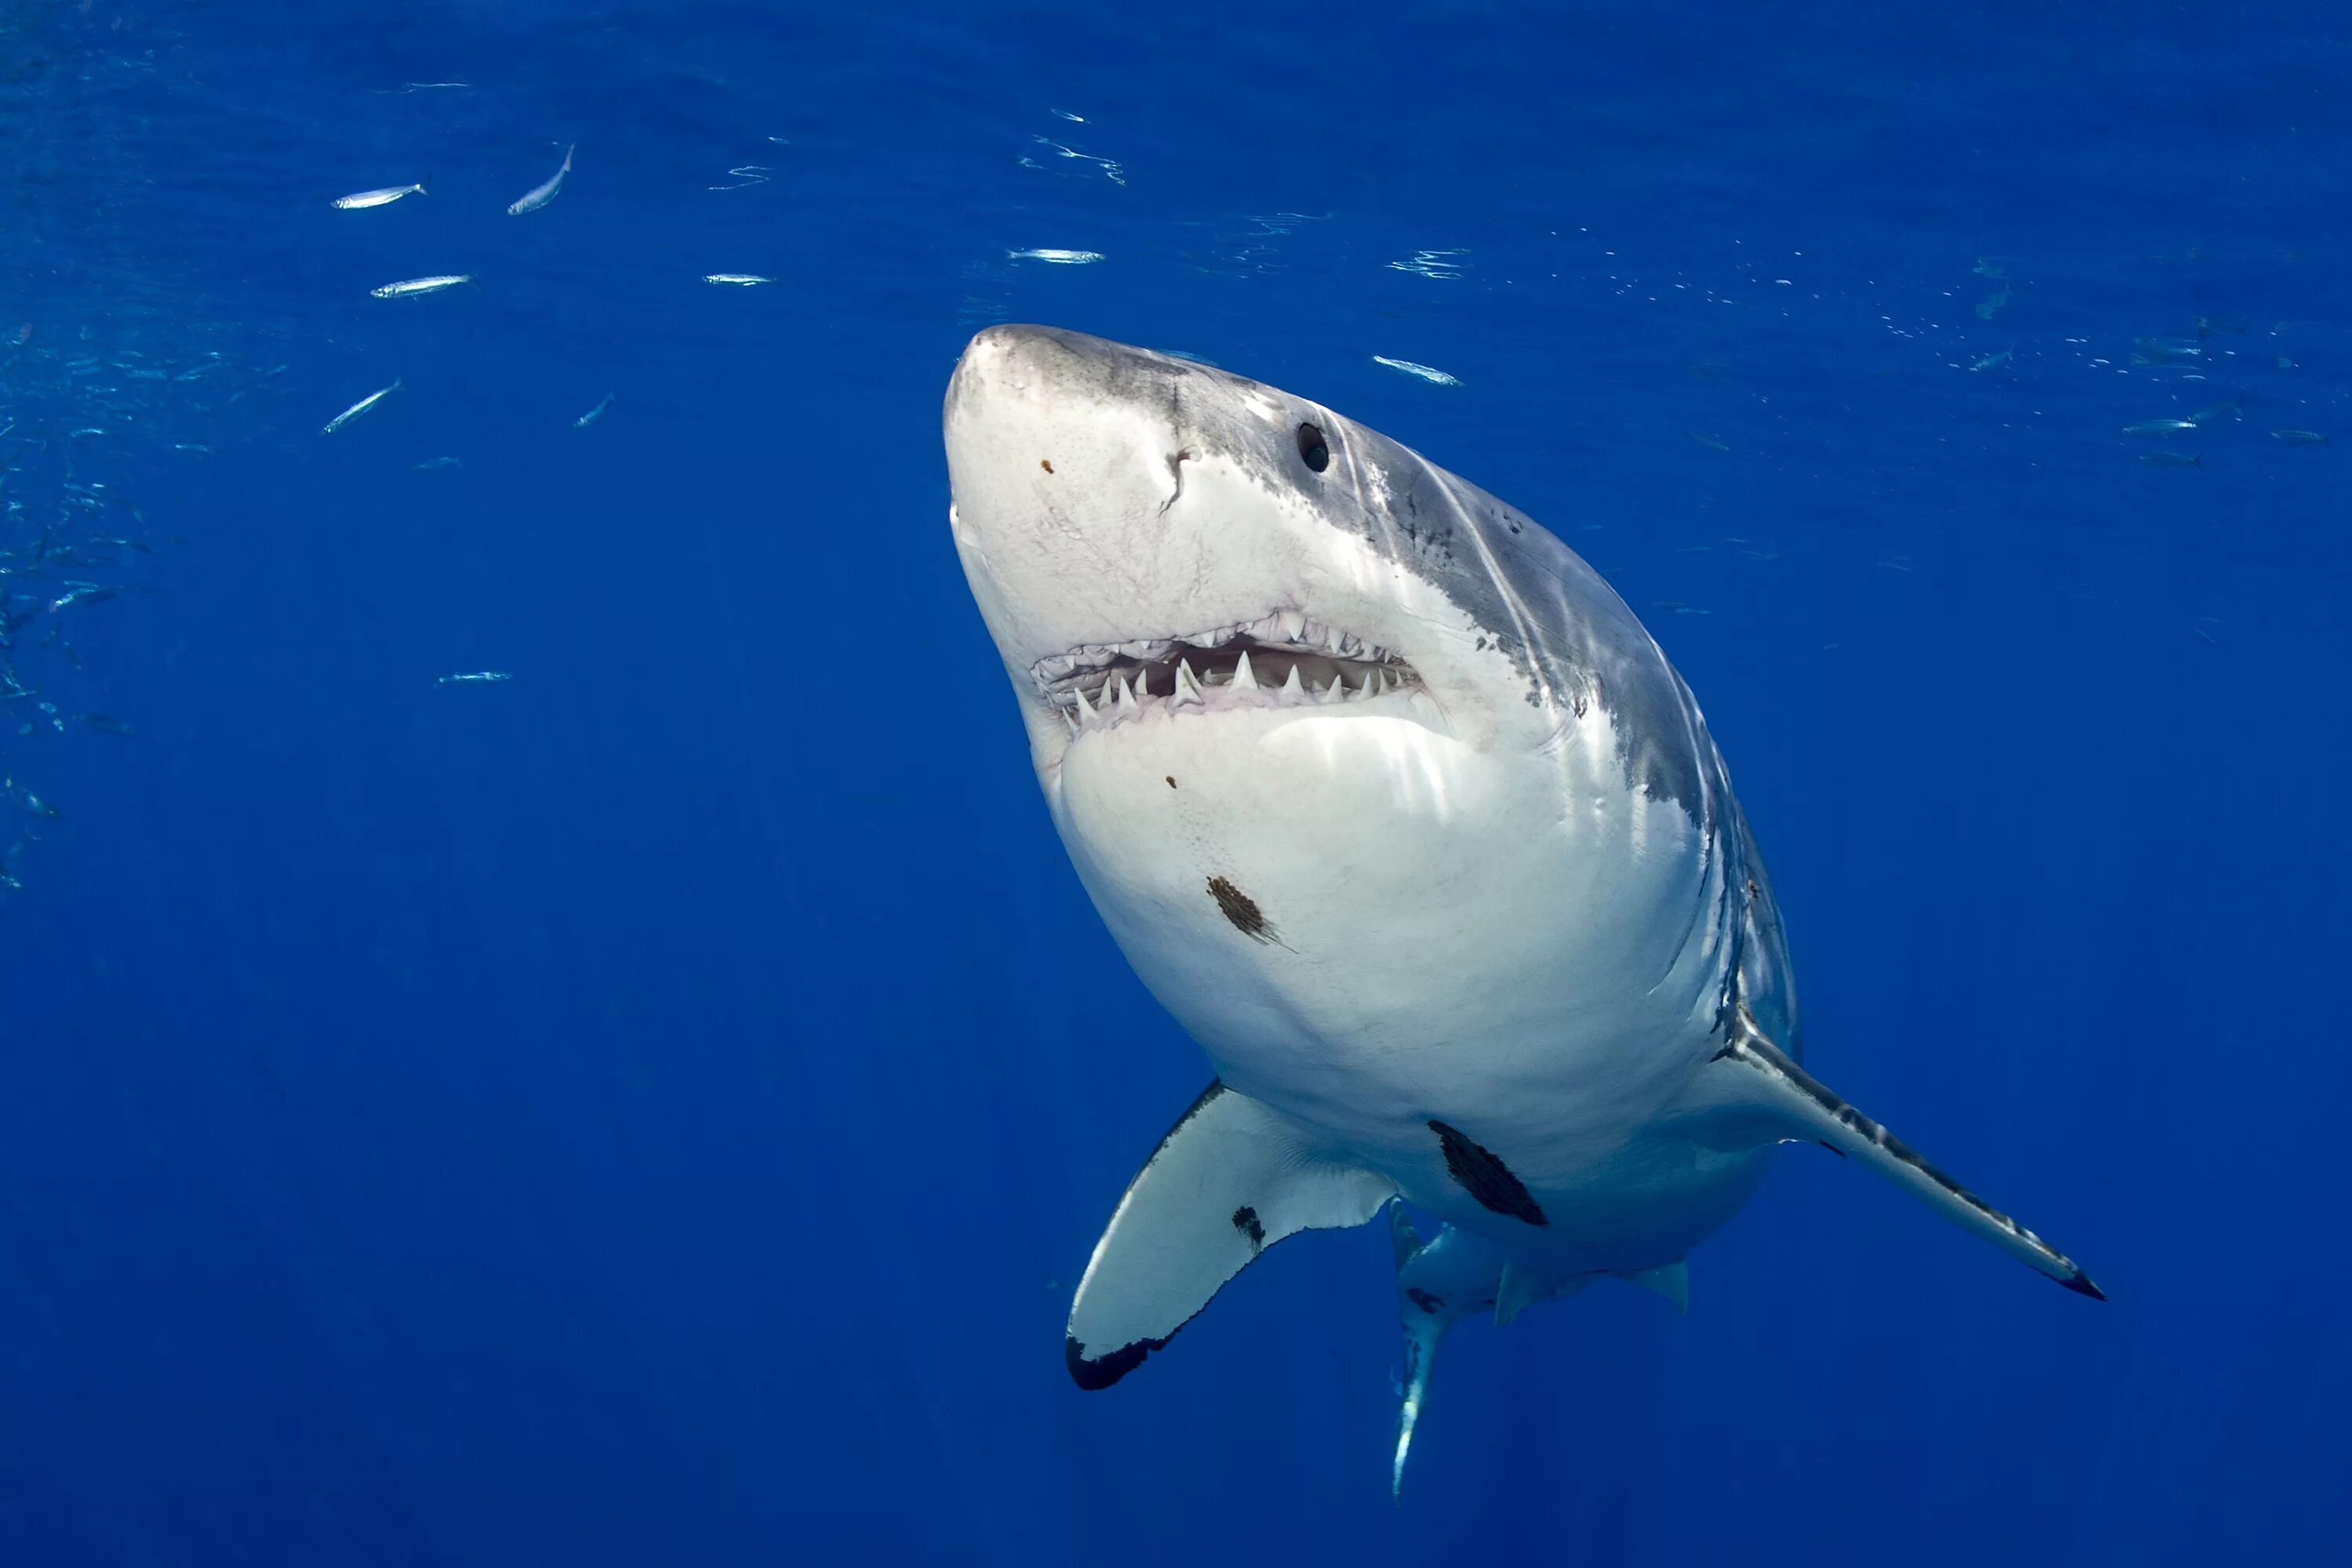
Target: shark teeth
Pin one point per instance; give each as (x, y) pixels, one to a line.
(1284, 659)
(1284, 629)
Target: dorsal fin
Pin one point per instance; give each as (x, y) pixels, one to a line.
(1229, 1179)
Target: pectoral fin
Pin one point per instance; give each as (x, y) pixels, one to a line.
(1230, 1180)
(1807, 1109)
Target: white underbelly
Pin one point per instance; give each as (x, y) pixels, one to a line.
(1371, 926)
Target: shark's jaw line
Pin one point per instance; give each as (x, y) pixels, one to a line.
(1285, 659)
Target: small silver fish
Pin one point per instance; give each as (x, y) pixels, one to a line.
(540, 195)
(740, 279)
(2299, 437)
(474, 678)
(1059, 257)
(2219, 409)
(2159, 426)
(2173, 459)
(2165, 350)
(362, 406)
(80, 593)
(594, 414)
(383, 197)
(433, 285)
(1435, 376)
(434, 464)
(1995, 360)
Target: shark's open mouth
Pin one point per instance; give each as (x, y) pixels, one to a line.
(1278, 661)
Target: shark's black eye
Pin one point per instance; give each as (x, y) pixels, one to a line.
(1312, 448)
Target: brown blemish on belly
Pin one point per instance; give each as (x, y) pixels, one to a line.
(1046, 464)
(1241, 909)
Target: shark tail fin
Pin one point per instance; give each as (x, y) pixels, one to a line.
(1801, 1107)
(1438, 1284)
(1230, 1178)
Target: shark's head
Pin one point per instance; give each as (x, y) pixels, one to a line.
(1150, 538)
(1282, 676)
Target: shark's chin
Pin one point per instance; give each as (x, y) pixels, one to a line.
(1227, 732)
(1299, 773)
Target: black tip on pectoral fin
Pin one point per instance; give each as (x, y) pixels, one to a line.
(1231, 1179)
(2080, 1283)
(1091, 1372)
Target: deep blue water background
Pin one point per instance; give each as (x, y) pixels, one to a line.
(655, 1109)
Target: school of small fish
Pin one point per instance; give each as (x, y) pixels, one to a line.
(59, 564)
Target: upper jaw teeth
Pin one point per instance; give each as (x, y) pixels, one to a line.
(1286, 630)
(1278, 661)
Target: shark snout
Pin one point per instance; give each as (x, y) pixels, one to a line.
(1127, 516)
(1053, 366)
(1060, 442)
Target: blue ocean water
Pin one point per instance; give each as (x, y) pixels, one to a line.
(655, 1108)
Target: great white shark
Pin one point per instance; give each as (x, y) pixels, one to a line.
(1396, 807)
